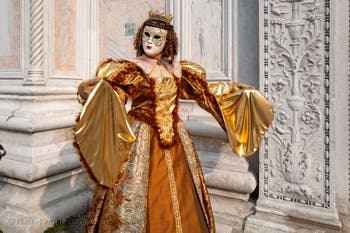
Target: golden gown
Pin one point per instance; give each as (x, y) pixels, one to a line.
(147, 173)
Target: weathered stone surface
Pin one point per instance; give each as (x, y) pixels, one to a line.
(230, 210)
(35, 206)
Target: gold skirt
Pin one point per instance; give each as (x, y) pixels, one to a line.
(162, 191)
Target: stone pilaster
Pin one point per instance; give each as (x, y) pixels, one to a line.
(297, 160)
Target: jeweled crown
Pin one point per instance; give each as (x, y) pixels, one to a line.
(167, 18)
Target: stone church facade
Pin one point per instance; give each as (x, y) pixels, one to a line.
(295, 51)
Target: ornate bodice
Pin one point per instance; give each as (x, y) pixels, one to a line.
(154, 99)
(243, 114)
(165, 91)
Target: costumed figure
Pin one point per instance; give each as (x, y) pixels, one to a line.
(146, 170)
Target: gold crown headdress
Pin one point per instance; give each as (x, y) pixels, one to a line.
(167, 18)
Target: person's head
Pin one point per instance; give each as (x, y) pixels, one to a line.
(156, 36)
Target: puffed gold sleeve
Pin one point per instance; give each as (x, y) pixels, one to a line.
(245, 115)
(119, 72)
(103, 134)
(193, 86)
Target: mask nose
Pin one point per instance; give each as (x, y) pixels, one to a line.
(150, 41)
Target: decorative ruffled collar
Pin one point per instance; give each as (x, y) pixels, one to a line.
(175, 67)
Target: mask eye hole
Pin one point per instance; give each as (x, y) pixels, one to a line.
(157, 37)
(147, 34)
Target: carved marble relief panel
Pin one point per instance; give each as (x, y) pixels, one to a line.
(207, 36)
(65, 35)
(118, 23)
(10, 18)
(296, 72)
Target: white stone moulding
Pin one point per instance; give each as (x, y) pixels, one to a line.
(33, 157)
(183, 18)
(94, 32)
(11, 74)
(238, 182)
(37, 108)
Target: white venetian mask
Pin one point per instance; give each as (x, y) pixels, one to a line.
(153, 40)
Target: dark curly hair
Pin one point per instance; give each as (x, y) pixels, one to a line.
(171, 45)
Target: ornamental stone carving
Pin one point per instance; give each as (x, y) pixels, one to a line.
(297, 83)
(35, 70)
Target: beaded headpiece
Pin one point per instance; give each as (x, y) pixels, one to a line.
(156, 19)
(167, 18)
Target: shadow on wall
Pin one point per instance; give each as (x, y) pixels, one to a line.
(253, 162)
(2, 154)
(67, 193)
(2, 151)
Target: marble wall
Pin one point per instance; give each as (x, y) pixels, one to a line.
(65, 23)
(118, 23)
(9, 49)
(10, 16)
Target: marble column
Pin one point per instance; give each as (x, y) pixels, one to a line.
(298, 182)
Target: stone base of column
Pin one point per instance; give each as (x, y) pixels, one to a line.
(345, 220)
(41, 181)
(34, 207)
(230, 210)
(267, 220)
